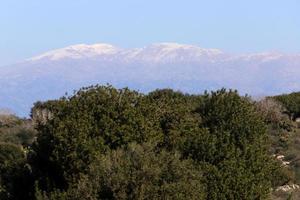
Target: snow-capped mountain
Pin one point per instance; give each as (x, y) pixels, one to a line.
(78, 52)
(161, 52)
(187, 68)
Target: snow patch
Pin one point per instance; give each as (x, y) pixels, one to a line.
(78, 51)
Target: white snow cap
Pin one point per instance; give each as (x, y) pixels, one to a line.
(154, 52)
(78, 51)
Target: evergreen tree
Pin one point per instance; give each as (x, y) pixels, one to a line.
(231, 148)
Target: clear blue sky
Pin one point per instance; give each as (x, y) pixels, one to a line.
(30, 27)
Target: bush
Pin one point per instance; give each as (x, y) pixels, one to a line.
(291, 102)
(14, 173)
(231, 147)
(96, 145)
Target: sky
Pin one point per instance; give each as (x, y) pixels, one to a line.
(31, 27)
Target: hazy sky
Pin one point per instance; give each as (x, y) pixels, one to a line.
(30, 27)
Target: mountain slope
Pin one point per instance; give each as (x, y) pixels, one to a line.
(185, 67)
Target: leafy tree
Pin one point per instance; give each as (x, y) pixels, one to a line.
(172, 116)
(138, 172)
(291, 102)
(85, 125)
(14, 173)
(95, 144)
(231, 147)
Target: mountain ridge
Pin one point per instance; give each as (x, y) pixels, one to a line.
(188, 68)
(103, 49)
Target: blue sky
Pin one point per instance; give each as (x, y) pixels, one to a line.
(31, 27)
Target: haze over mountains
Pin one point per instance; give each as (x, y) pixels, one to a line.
(184, 67)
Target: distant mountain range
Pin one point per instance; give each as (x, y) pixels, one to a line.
(164, 65)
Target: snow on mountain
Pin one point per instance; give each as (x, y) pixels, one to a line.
(164, 52)
(78, 51)
(184, 67)
(159, 52)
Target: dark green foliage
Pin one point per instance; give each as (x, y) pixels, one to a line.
(172, 113)
(222, 132)
(138, 172)
(16, 135)
(85, 125)
(107, 143)
(231, 147)
(14, 173)
(97, 119)
(291, 102)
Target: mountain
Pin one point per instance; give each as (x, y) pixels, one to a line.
(184, 67)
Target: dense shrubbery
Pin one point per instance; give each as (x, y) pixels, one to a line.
(16, 135)
(291, 102)
(105, 143)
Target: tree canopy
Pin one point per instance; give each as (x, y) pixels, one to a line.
(108, 143)
(291, 102)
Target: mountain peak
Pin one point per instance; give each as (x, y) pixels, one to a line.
(78, 51)
(159, 52)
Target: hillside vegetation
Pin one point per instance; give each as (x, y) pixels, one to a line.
(107, 143)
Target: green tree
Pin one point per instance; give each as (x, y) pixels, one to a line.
(291, 102)
(172, 115)
(14, 173)
(138, 172)
(231, 148)
(90, 122)
(95, 145)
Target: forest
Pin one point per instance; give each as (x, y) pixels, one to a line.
(107, 143)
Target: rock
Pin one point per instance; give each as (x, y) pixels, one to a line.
(287, 188)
